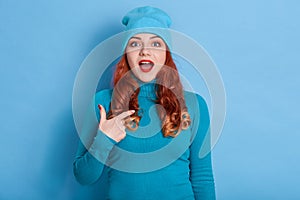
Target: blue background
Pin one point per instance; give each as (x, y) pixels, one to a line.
(255, 45)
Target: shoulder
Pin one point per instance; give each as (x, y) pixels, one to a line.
(105, 93)
(197, 108)
(103, 97)
(194, 100)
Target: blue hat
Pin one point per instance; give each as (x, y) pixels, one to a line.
(147, 19)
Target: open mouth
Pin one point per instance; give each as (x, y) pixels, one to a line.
(146, 65)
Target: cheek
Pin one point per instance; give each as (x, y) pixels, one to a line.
(131, 59)
(161, 57)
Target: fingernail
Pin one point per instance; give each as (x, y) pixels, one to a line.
(99, 106)
(132, 111)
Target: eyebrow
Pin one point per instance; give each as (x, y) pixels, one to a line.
(138, 38)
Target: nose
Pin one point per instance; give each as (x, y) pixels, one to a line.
(145, 51)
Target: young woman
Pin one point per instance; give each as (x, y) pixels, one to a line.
(150, 130)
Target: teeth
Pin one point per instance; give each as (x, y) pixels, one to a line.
(145, 63)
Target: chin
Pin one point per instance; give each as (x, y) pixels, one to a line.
(146, 78)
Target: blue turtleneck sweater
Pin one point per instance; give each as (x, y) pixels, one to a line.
(145, 164)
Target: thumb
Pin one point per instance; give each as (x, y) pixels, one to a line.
(102, 113)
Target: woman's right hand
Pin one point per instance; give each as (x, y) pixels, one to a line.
(113, 128)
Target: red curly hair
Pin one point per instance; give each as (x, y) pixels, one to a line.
(169, 93)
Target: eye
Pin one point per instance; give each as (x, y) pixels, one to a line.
(135, 44)
(156, 44)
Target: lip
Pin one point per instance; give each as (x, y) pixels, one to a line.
(146, 68)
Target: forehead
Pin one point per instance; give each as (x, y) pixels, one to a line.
(145, 36)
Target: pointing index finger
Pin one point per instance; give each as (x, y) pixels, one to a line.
(125, 114)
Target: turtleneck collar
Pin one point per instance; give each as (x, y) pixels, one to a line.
(147, 89)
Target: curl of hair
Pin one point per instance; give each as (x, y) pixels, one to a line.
(169, 92)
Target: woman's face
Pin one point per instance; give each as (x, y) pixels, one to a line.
(146, 54)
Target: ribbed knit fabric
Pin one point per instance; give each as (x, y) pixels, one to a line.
(187, 177)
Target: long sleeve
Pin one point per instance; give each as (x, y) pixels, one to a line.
(94, 146)
(201, 174)
(88, 165)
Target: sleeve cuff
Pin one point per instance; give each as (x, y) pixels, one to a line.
(101, 146)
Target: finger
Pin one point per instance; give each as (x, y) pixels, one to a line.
(125, 114)
(102, 113)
